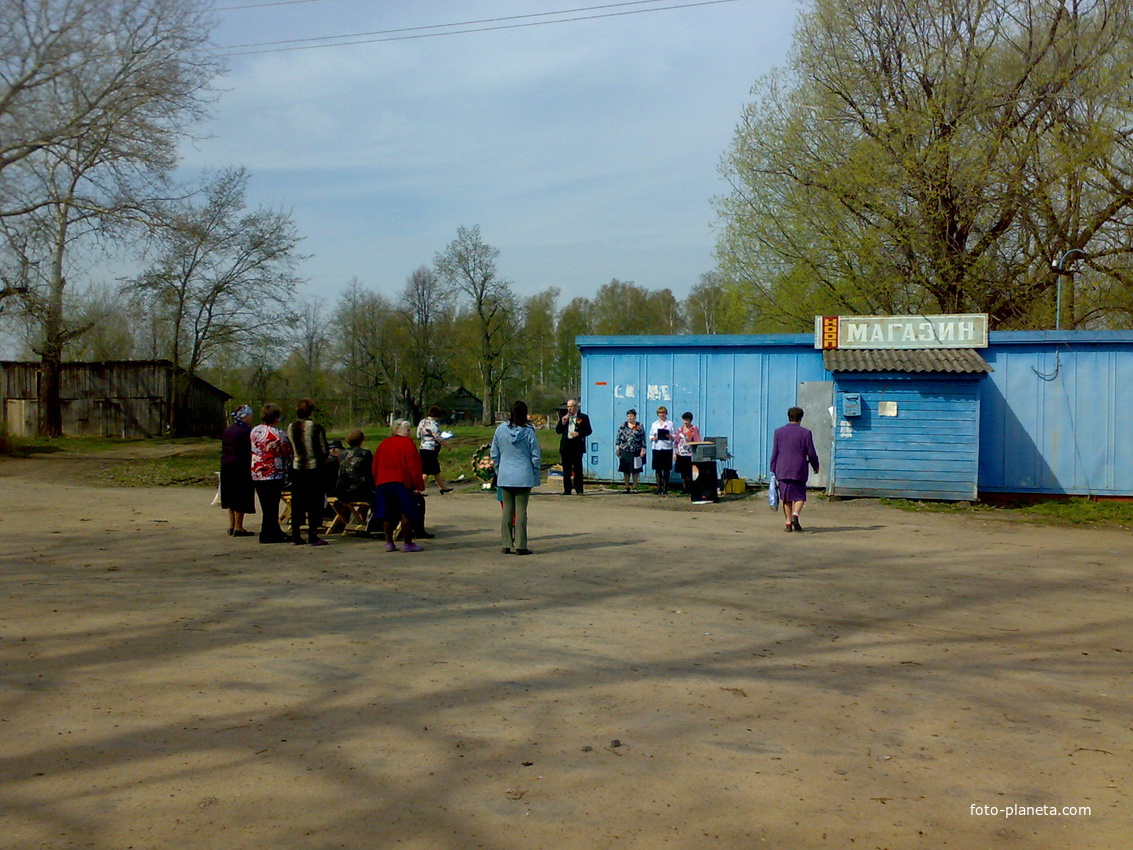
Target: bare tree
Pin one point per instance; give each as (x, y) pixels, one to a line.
(311, 346)
(367, 351)
(130, 72)
(94, 97)
(469, 265)
(102, 309)
(426, 308)
(222, 276)
(82, 189)
(712, 307)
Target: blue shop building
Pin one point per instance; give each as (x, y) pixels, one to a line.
(1029, 412)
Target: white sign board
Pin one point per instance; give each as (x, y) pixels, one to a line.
(961, 330)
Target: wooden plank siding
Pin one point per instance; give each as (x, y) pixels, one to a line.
(929, 450)
(120, 398)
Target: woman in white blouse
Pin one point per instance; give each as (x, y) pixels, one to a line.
(661, 438)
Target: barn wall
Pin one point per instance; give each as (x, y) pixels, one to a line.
(110, 399)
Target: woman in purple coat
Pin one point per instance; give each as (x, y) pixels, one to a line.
(791, 453)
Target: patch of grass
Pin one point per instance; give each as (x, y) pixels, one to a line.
(1073, 512)
(29, 446)
(165, 463)
(173, 471)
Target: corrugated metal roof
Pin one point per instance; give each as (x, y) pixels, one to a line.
(957, 360)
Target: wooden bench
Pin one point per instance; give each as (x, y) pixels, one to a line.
(348, 516)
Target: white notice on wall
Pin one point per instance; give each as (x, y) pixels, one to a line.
(887, 408)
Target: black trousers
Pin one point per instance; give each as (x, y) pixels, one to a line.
(269, 493)
(572, 453)
(307, 496)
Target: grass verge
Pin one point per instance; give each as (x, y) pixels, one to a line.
(1078, 512)
(195, 461)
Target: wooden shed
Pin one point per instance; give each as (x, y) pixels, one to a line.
(113, 398)
(907, 423)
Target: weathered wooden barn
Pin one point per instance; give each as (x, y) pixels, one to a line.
(1033, 412)
(114, 398)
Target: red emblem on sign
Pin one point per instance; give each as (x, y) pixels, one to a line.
(829, 332)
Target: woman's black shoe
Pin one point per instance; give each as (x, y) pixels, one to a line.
(523, 551)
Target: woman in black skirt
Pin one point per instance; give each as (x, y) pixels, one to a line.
(236, 492)
(629, 445)
(429, 433)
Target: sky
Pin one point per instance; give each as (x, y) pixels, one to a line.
(585, 150)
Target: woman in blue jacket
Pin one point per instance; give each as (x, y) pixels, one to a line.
(516, 455)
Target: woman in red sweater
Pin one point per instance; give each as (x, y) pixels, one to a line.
(397, 477)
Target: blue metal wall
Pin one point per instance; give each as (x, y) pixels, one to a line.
(737, 387)
(1054, 416)
(929, 450)
(1056, 413)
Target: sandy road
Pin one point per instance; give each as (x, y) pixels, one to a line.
(654, 676)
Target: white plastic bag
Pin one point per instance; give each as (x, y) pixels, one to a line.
(773, 491)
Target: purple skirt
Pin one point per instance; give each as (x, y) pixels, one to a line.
(791, 491)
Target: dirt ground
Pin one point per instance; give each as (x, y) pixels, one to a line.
(657, 675)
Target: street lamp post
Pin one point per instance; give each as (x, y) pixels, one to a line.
(1060, 269)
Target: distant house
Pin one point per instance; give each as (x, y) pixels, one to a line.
(460, 405)
(113, 398)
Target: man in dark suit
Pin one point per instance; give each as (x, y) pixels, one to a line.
(791, 453)
(573, 429)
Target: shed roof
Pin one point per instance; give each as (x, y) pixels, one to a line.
(103, 365)
(956, 360)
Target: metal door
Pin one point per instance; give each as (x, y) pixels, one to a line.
(816, 398)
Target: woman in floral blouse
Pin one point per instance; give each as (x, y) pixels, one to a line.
(270, 455)
(429, 433)
(682, 451)
(630, 448)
